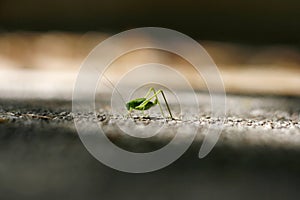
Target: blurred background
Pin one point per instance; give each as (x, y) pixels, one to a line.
(256, 44)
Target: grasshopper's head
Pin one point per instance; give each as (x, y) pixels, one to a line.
(128, 106)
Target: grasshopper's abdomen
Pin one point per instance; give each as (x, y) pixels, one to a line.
(134, 103)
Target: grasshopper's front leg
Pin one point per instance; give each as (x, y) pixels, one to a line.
(129, 112)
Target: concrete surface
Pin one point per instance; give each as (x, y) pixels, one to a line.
(257, 155)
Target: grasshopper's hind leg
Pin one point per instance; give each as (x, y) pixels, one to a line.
(168, 107)
(156, 99)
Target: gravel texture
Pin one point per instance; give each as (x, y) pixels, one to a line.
(267, 120)
(257, 154)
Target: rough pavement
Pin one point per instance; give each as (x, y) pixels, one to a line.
(257, 154)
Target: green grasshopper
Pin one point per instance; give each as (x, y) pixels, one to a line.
(145, 103)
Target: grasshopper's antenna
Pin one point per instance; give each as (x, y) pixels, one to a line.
(114, 87)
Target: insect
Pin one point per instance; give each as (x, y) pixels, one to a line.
(145, 103)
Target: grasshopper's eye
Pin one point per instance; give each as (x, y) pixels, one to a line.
(127, 106)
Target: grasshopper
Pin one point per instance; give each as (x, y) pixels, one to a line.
(145, 103)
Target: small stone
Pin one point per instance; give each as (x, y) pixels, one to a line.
(62, 113)
(3, 120)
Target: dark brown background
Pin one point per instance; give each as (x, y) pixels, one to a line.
(268, 21)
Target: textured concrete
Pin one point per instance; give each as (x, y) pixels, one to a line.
(257, 155)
